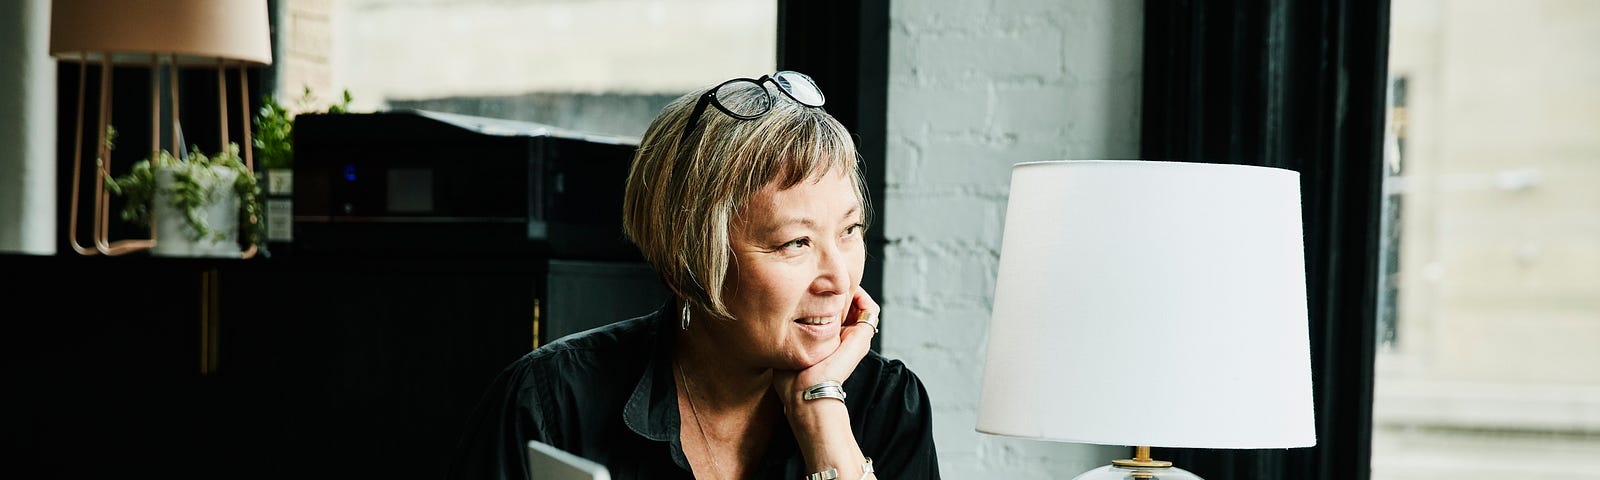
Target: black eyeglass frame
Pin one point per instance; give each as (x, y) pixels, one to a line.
(710, 98)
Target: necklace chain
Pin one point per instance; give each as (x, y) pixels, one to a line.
(687, 393)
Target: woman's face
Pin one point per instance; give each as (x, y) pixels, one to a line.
(798, 256)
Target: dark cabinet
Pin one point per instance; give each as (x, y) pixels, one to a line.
(367, 369)
(254, 369)
(102, 368)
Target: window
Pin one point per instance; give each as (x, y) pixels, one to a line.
(1488, 362)
(598, 66)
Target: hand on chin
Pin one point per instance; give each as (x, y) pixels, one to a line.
(832, 358)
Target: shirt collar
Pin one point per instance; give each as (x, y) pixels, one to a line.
(652, 410)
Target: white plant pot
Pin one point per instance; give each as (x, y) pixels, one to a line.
(174, 236)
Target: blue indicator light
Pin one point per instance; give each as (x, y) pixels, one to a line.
(349, 172)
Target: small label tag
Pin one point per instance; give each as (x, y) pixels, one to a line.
(280, 181)
(280, 220)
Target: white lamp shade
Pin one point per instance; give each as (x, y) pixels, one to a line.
(1151, 303)
(197, 32)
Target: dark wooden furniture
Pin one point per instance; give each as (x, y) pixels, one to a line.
(270, 368)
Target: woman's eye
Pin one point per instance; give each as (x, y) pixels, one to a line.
(854, 229)
(801, 242)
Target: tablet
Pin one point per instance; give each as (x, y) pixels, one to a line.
(546, 462)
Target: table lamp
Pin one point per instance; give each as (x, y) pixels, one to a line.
(1149, 303)
(212, 34)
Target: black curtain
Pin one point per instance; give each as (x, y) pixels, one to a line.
(844, 46)
(1296, 85)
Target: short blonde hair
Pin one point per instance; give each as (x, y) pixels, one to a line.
(681, 200)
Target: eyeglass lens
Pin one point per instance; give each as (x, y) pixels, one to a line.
(800, 87)
(743, 105)
(797, 85)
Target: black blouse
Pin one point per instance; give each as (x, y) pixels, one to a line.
(608, 395)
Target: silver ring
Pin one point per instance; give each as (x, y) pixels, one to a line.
(869, 318)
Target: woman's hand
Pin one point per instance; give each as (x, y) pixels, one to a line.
(855, 339)
(822, 426)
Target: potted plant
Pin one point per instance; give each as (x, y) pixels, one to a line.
(202, 205)
(274, 144)
(274, 135)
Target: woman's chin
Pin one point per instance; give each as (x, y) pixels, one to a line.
(813, 353)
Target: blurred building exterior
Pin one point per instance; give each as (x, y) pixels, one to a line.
(601, 66)
(1488, 366)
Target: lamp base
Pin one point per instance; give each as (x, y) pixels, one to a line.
(1118, 472)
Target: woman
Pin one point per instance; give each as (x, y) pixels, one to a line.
(746, 197)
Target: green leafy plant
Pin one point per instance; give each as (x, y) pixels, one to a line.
(274, 135)
(189, 194)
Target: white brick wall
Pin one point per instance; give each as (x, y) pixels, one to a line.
(975, 87)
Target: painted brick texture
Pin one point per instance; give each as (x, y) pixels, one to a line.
(975, 87)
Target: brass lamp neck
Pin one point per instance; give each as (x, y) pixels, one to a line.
(1141, 459)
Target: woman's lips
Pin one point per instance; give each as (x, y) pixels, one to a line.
(816, 320)
(819, 326)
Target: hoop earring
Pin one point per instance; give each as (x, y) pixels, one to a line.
(683, 323)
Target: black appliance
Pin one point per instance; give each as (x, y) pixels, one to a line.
(422, 183)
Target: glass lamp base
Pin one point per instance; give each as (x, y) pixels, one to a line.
(1113, 472)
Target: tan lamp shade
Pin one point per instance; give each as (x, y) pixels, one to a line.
(195, 32)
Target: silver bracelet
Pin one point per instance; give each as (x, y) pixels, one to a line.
(831, 473)
(827, 389)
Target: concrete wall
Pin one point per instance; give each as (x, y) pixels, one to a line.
(974, 87)
(27, 129)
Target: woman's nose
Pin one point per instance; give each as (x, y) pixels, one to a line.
(833, 272)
